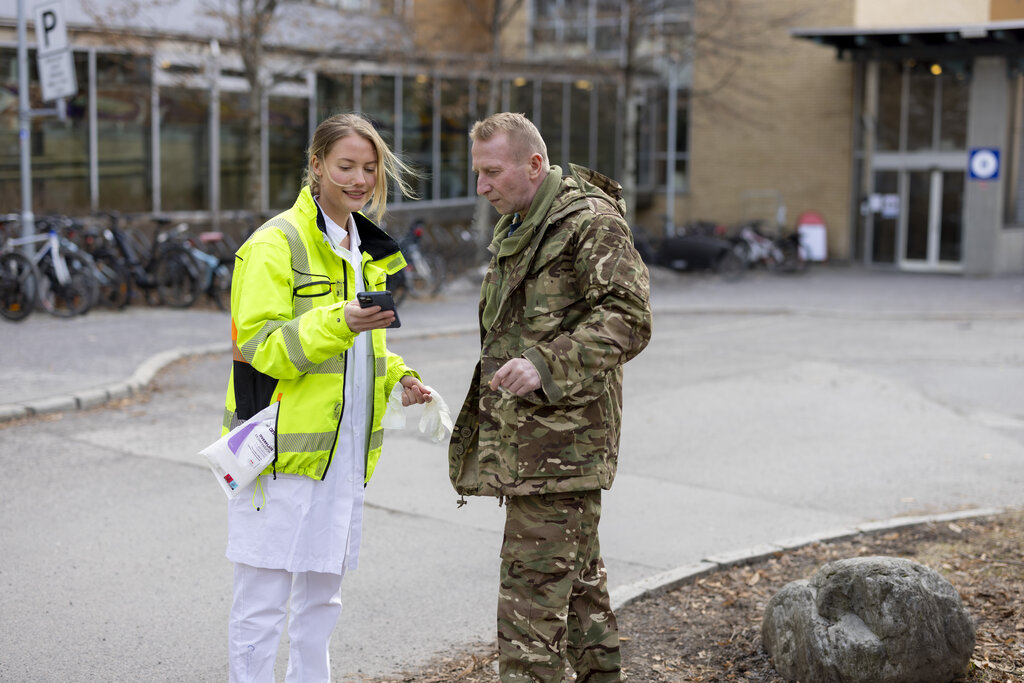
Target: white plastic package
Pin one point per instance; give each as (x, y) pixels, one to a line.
(435, 422)
(239, 456)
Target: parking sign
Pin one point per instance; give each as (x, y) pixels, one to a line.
(53, 55)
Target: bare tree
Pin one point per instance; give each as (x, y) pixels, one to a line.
(492, 17)
(247, 23)
(252, 28)
(724, 35)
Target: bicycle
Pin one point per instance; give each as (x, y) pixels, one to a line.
(115, 287)
(169, 275)
(781, 254)
(215, 254)
(424, 273)
(19, 280)
(67, 285)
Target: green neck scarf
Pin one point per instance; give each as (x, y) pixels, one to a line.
(504, 245)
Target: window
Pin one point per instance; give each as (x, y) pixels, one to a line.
(579, 132)
(920, 108)
(578, 26)
(59, 150)
(646, 113)
(384, 8)
(598, 26)
(890, 85)
(123, 132)
(236, 146)
(652, 141)
(682, 156)
(1014, 163)
(607, 131)
(10, 153)
(953, 111)
(551, 121)
(932, 116)
(378, 103)
(454, 162)
(418, 130)
(184, 149)
(289, 138)
(520, 97)
(335, 93)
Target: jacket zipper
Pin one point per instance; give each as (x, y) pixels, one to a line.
(373, 380)
(344, 372)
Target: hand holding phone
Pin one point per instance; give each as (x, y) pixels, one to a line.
(382, 299)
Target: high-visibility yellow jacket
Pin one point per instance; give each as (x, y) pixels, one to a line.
(291, 341)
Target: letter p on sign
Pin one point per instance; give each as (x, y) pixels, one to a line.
(53, 55)
(51, 33)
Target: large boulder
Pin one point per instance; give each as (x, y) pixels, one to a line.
(869, 620)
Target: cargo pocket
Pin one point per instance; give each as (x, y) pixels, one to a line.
(542, 532)
(551, 443)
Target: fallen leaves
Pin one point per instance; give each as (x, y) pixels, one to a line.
(709, 631)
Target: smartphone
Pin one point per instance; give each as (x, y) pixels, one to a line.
(382, 299)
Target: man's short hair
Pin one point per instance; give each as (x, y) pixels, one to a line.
(524, 137)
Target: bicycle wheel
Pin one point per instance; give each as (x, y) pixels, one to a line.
(115, 282)
(177, 278)
(398, 287)
(19, 286)
(425, 275)
(731, 265)
(66, 299)
(220, 287)
(81, 262)
(792, 262)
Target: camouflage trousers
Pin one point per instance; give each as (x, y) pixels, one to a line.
(553, 604)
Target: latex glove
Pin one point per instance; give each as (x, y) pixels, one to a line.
(394, 414)
(436, 421)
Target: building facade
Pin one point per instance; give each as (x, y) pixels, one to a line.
(160, 123)
(936, 179)
(900, 123)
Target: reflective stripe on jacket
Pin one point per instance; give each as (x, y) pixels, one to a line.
(291, 340)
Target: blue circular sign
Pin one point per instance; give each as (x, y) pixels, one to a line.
(983, 164)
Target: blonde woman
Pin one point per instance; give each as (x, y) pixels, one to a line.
(301, 340)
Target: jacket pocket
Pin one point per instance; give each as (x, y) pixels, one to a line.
(253, 390)
(553, 441)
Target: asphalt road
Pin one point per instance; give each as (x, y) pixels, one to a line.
(770, 409)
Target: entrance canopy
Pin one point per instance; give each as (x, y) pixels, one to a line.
(996, 38)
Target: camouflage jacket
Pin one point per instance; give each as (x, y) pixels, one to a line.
(575, 302)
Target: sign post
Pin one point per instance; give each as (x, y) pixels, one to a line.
(57, 76)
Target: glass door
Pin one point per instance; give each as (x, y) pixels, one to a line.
(931, 231)
(914, 208)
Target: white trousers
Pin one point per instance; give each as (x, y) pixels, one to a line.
(257, 620)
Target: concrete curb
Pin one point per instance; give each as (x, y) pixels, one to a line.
(955, 316)
(83, 399)
(138, 381)
(674, 578)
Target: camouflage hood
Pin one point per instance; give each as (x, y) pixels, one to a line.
(593, 184)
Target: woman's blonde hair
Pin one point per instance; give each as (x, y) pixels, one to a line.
(389, 166)
(523, 136)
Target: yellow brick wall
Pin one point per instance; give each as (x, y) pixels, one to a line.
(905, 13)
(771, 113)
(447, 26)
(1006, 10)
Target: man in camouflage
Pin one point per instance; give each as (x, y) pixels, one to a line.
(564, 304)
